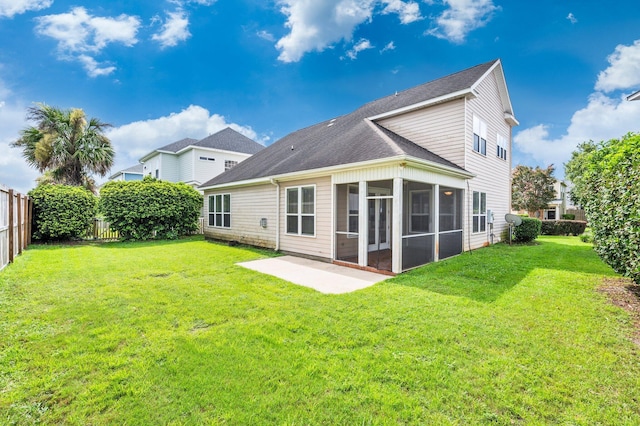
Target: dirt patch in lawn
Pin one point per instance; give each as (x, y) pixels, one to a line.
(624, 293)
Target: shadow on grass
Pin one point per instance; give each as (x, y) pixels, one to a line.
(485, 274)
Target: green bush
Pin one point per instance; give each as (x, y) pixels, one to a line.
(569, 216)
(528, 230)
(150, 208)
(61, 212)
(563, 227)
(587, 236)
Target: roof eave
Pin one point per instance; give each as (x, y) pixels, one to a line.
(634, 96)
(468, 92)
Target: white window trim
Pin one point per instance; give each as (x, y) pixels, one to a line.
(213, 212)
(350, 233)
(482, 216)
(299, 214)
(480, 129)
(501, 149)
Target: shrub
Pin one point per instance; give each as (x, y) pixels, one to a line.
(587, 236)
(61, 212)
(528, 230)
(569, 216)
(563, 227)
(150, 208)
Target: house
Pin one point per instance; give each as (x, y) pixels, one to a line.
(558, 206)
(408, 179)
(131, 173)
(196, 161)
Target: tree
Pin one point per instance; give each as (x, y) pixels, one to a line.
(532, 189)
(606, 178)
(66, 147)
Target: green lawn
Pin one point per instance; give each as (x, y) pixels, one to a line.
(175, 333)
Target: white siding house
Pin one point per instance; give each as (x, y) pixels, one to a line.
(404, 180)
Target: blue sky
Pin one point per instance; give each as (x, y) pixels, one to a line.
(159, 71)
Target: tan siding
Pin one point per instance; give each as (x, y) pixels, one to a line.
(439, 128)
(248, 206)
(320, 245)
(492, 173)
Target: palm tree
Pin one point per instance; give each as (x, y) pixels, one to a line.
(65, 147)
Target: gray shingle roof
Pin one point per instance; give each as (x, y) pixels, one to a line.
(179, 145)
(230, 140)
(138, 168)
(350, 138)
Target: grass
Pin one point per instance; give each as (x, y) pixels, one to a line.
(176, 333)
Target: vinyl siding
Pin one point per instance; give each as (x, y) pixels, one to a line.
(320, 244)
(185, 166)
(493, 174)
(169, 167)
(206, 170)
(248, 206)
(439, 128)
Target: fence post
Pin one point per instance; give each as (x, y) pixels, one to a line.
(30, 220)
(11, 228)
(20, 227)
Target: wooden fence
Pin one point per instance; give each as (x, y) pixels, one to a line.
(16, 211)
(101, 230)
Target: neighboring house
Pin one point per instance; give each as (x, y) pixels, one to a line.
(405, 180)
(634, 97)
(131, 173)
(196, 161)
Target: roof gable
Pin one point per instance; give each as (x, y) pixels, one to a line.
(230, 140)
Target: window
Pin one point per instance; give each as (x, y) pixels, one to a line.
(157, 174)
(420, 210)
(207, 159)
(229, 164)
(352, 211)
(220, 210)
(479, 211)
(502, 147)
(301, 211)
(479, 135)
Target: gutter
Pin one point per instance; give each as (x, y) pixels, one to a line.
(277, 185)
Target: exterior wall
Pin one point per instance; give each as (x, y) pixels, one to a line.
(203, 170)
(439, 128)
(151, 165)
(248, 206)
(320, 244)
(186, 162)
(493, 174)
(169, 168)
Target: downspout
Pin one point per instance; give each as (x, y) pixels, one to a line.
(277, 185)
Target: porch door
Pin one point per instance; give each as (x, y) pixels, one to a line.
(379, 226)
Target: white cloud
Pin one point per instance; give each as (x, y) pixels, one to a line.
(134, 140)
(10, 8)
(623, 71)
(81, 36)
(361, 45)
(388, 46)
(174, 30)
(266, 35)
(571, 17)
(462, 17)
(603, 118)
(409, 11)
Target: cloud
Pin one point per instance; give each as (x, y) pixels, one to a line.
(462, 17)
(363, 44)
(134, 140)
(603, 118)
(81, 36)
(623, 71)
(388, 46)
(10, 8)
(316, 25)
(174, 30)
(572, 18)
(409, 11)
(266, 35)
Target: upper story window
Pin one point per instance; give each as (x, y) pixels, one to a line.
(207, 159)
(479, 135)
(301, 210)
(229, 164)
(501, 151)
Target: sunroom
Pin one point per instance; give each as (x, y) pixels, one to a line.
(393, 225)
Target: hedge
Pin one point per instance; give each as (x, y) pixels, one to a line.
(150, 208)
(528, 230)
(62, 212)
(563, 227)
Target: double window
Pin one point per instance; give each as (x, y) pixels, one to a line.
(502, 147)
(220, 210)
(229, 164)
(479, 211)
(479, 135)
(301, 210)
